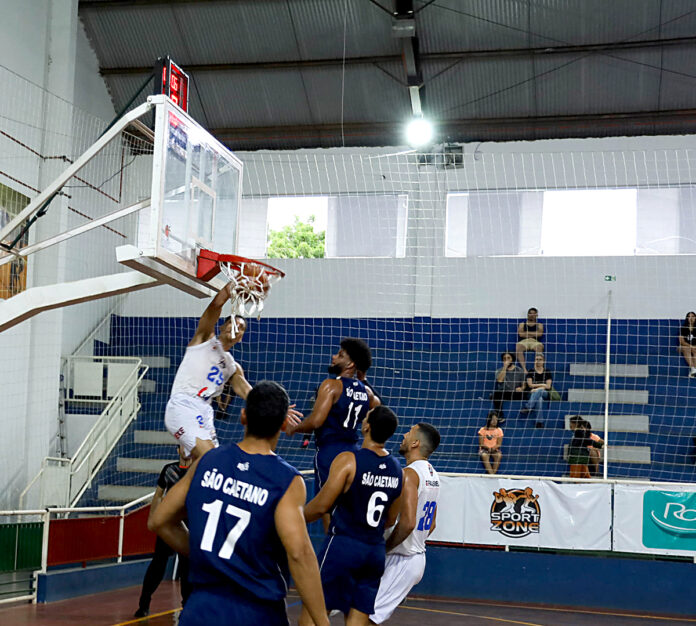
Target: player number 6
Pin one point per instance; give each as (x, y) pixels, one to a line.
(374, 509)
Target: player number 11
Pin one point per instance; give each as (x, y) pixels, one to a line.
(355, 414)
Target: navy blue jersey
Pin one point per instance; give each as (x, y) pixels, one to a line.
(347, 413)
(361, 512)
(231, 506)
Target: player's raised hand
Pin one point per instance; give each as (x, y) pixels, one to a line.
(293, 419)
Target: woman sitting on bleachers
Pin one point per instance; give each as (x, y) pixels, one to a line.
(490, 440)
(687, 342)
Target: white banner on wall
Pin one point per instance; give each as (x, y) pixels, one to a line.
(653, 520)
(542, 514)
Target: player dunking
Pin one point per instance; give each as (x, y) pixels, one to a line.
(246, 529)
(364, 485)
(341, 404)
(405, 562)
(206, 368)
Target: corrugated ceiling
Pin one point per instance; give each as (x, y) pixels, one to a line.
(280, 74)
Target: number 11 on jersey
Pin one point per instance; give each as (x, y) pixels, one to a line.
(353, 411)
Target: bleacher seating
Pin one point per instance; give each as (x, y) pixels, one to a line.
(441, 370)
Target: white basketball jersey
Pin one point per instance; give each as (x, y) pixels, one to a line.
(204, 370)
(428, 493)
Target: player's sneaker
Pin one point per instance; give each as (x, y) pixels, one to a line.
(141, 612)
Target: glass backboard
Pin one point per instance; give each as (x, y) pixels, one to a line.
(196, 193)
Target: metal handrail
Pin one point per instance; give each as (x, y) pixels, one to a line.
(116, 398)
(99, 429)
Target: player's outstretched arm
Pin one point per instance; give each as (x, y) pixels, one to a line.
(291, 528)
(373, 397)
(326, 396)
(408, 510)
(240, 385)
(167, 519)
(206, 325)
(340, 478)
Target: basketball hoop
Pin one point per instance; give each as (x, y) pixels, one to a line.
(250, 280)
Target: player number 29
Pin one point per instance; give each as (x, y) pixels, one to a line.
(213, 510)
(425, 522)
(354, 414)
(215, 375)
(375, 508)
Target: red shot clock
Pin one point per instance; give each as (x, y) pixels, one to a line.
(172, 81)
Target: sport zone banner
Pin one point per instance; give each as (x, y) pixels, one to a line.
(657, 521)
(494, 511)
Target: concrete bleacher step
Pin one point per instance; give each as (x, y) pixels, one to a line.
(157, 437)
(148, 466)
(615, 369)
(624, 396)
(147, 386)
(156, 362)
(623, 454)
(122, 493)
(617, 423)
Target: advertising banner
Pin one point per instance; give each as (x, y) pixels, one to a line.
(657, 521)
(527, 513)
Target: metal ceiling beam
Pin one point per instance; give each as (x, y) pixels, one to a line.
(462, 130)
(404, 27)
(432, 56)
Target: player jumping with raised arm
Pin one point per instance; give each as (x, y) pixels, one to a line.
(364, 487)
(205, 369)
(405, 562)
(342, 403)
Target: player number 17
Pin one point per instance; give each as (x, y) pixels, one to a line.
(213, 510)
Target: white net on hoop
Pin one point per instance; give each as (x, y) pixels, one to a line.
(250, 284)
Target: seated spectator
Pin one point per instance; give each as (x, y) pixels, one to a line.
(595, 449)
(539, 382)
(509, 384)
(529, 332)
(582, 433)
(490, 440)
(687, 342)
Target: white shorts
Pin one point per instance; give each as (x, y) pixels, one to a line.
(188, 418)
(401, 573)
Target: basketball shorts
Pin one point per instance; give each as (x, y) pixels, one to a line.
(350, 573)
(188, 418)
(530, 344)
(401, 574)
(323, 458)
(215, 605)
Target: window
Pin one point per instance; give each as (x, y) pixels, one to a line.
(318, 226)
(582, 222)
(596, 222)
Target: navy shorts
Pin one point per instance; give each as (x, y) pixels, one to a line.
(324, 457)
(225, 605)
(350, 573)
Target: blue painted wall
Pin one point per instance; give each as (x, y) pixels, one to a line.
(441, 370)
(562, 580)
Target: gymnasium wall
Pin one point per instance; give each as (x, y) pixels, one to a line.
(51, 82)
(426, 282)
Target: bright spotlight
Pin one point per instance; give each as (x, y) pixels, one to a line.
(419, 132)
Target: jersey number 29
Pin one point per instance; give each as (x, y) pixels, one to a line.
(215, 375)
(213, 510)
